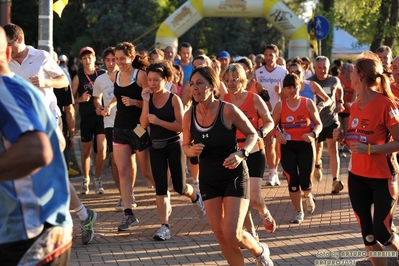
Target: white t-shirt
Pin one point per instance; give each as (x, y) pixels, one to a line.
(269, 80)
(103, 85)
(39, 63)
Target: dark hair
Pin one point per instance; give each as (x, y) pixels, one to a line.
(334, 71)
(210, 75)
(164, 68)
(185, 45)
(13, 31)
(139, 61)
(272, 47)
(291, 80)
(108, 50)
(199, 52)
(156, 51)
(246, 61)
(180, 70)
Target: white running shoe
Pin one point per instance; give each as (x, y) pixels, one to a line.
(85, 185)
(163, 233)
(119, 205)
(199, 206)
(297, 218)
(263, 259)
(99, 186)
(310, 203)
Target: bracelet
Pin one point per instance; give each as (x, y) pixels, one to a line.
(369, 149)
(314, 134)
(340, 101)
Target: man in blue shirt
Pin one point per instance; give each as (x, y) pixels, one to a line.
(185, 52)
(34, 192)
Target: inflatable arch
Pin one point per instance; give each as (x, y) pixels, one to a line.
(274, 11)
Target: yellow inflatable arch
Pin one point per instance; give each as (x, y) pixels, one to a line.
(274, 11)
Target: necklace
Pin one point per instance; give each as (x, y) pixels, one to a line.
(204, 113)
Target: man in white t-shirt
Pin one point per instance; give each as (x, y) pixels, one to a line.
(36, 66)
(271, 76)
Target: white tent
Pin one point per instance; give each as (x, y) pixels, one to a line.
(345, 45)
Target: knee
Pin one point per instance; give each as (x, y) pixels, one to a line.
(256, 201)
(293, 188)
(233, 237)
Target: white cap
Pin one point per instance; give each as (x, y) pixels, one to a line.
(63, 58)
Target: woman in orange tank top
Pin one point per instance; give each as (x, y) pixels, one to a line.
(255, 110)
(295, 114)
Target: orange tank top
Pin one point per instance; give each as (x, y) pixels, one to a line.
(348, 93)
(370, 125)
(248, 108)
(295, 121)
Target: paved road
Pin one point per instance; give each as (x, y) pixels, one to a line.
(330, 230)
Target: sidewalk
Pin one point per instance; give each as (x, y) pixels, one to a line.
(330, 229)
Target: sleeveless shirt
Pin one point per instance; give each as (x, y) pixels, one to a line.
(86, 83)
(307, 91)
(295, 121)
(219, 142)
(165, 113)
(127, 116)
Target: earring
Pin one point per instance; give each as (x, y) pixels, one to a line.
(360, 80)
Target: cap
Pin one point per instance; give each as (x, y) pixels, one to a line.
(224, 54)
(86, 49)
(63, 58)
(238, 58)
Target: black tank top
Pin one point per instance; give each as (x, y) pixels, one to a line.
(127, 116)
(86, 83)
(165, 113)
(219, 142)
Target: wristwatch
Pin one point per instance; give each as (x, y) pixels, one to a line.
(245, 153)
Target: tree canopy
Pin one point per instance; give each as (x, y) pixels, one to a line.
(101, 23)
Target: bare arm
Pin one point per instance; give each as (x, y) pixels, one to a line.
(185, 94)
(315, 118)
(32, 150)
(316, 88)
(58, 82)
(70, 120)
(190, 150)
(264, 114)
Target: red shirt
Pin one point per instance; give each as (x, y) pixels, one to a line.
(295, 121)
(348, 92)
(248, 108)
(370, 125)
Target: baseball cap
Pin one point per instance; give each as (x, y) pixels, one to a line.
(86, 49)
(63, 58)
(224, 54)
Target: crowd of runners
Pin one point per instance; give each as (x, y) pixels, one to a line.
(223, 119)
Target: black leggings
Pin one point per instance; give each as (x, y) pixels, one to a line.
(297, 160)
(173, 156)
(363, 192)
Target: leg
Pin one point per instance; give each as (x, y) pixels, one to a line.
(101, 155)
(122, 155)
(143, 159)
(337, 184)
(271, 158)
(86, 151)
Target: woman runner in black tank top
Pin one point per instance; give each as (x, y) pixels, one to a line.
(128, 86)
(212, 124)
(163, 114)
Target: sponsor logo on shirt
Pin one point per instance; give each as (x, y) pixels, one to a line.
(269, 80)
(394, 113)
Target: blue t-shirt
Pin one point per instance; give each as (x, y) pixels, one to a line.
(28, 202)
(187, 70)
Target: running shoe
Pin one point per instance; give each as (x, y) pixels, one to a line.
(263, 259)
(318, 173)
(119, 205)
(88, 226)
(85, 185)
(297, 218)
(163, 233)
(127, 222)
(99, 186)
(268, 222)
(199, 206)
(337, 186)
(310, 203)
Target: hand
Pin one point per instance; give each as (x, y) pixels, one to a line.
(277, 88)
(338, 134)
(127, 101)
(340, 107)
(38, 81)
(197, 149)
(308, 137)
(233, 160)
(153, 119)
(358, 147)
(145, 94)
(280, 137)
(105, 112)
(99, 110)
(85, 96)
